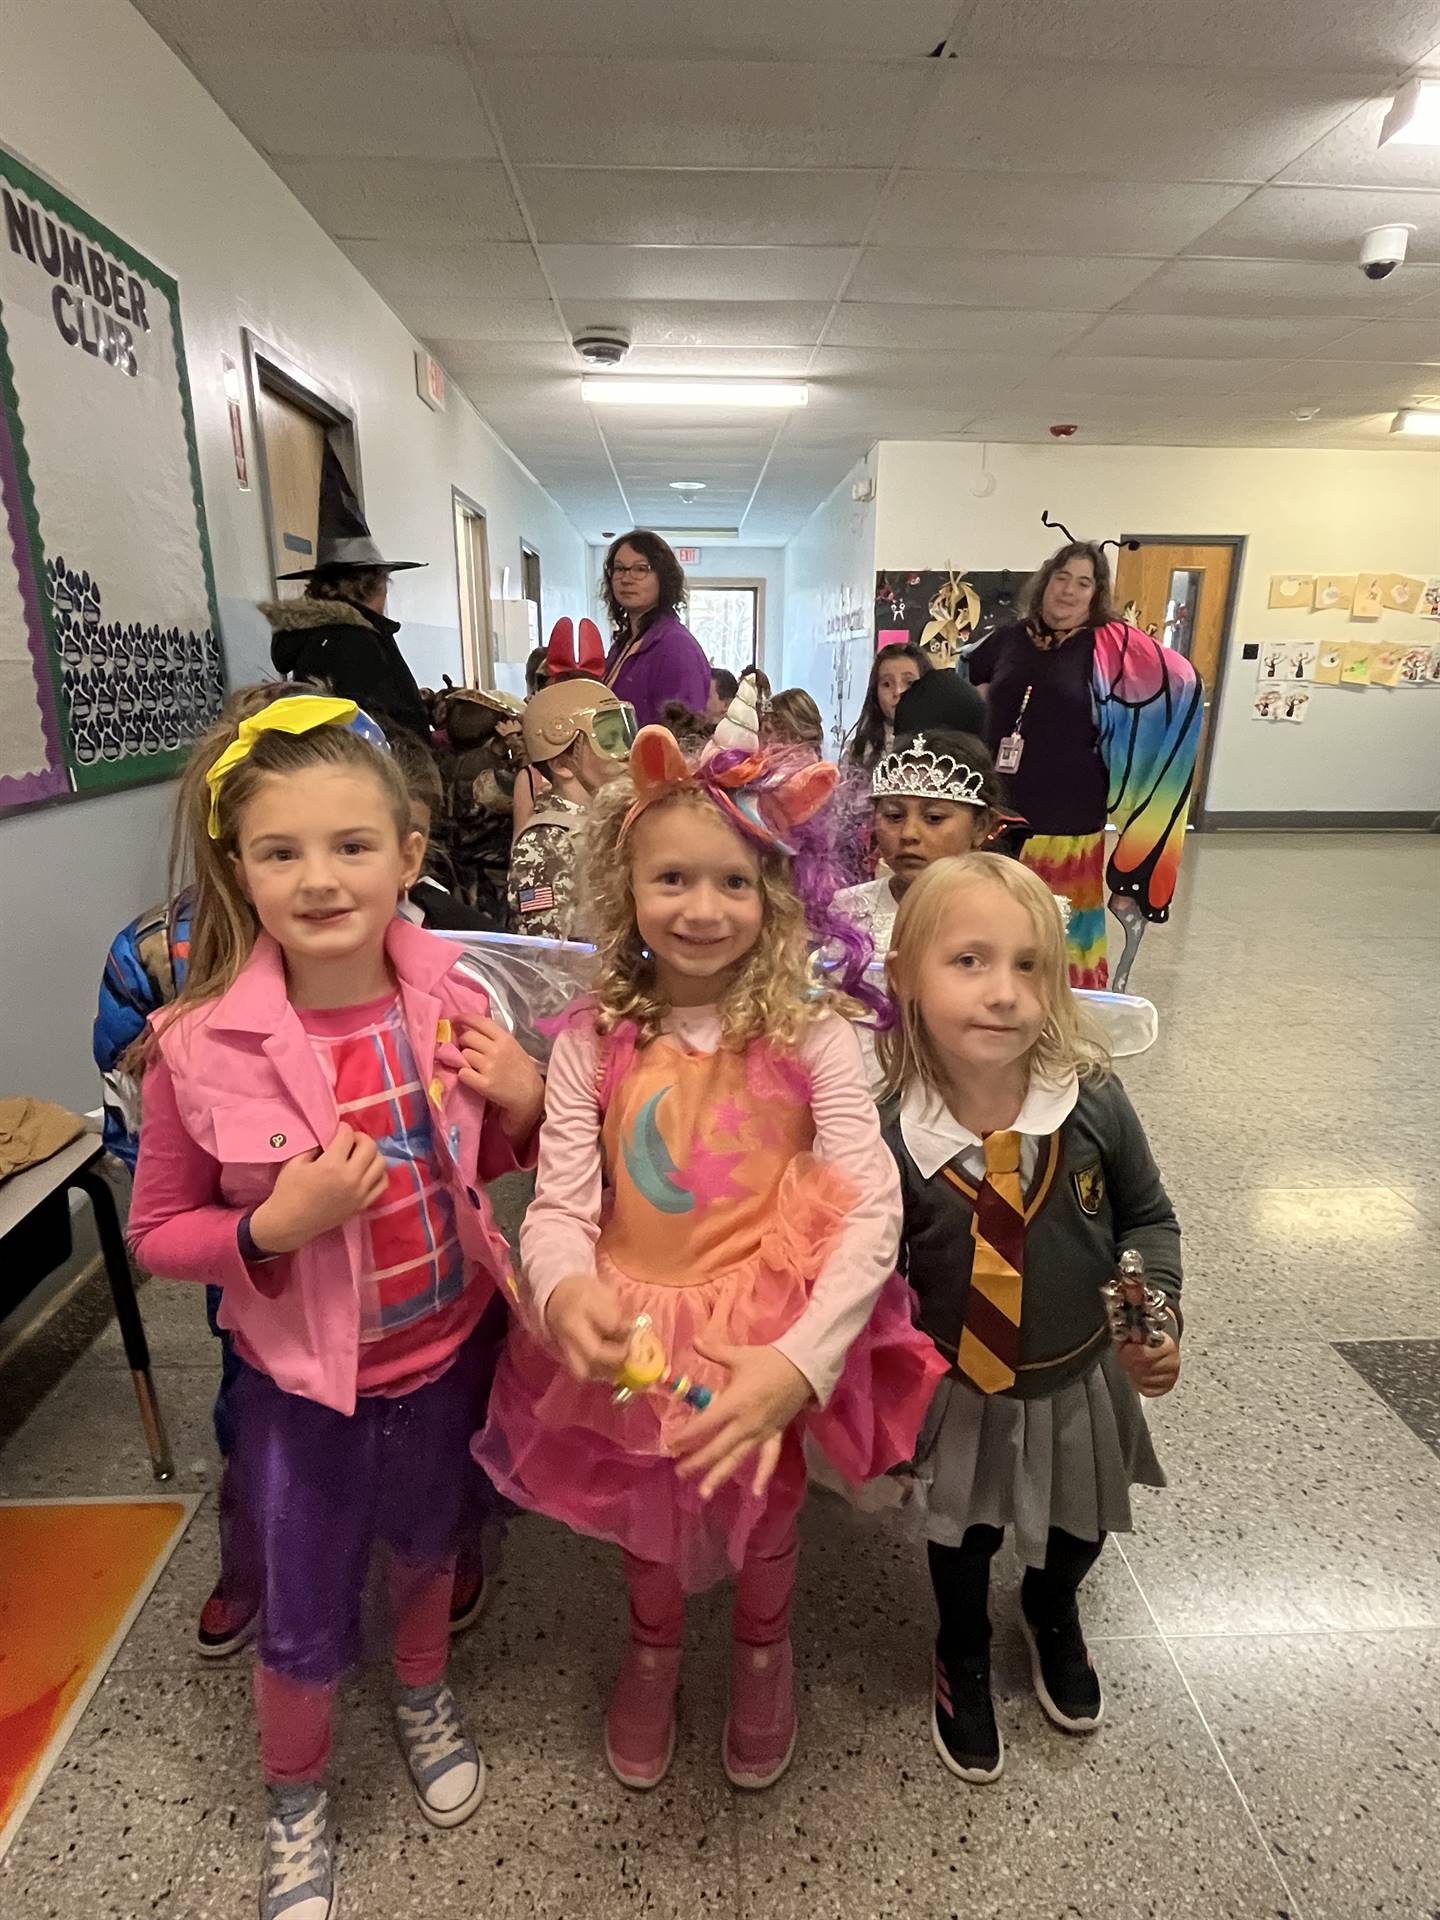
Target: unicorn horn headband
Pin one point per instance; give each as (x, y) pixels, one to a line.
(756, 793)
(297, 713)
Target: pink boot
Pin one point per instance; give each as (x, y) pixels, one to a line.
(760, 1728)
(640, 1727)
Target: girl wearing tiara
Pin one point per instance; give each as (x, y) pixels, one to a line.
(711, 1179)
(934, 795)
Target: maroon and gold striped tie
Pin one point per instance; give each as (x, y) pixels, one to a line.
(990, 1338)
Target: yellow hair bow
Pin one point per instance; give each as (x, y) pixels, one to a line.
(297, 713)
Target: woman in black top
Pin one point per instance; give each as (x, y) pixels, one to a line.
(1038, 680)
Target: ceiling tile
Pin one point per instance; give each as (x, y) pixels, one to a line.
(965, 329)
(702, 208)
(922, 374)
(1129, 121)
(1382, 384)
(416, 105)
(716, 323)
(1261, 287)
(750, 28)
(699, 113)
(1200, 335)
(744, 363)
(1321, 223)
(1417, 341)
(302, 24)
(1380, 36)
(696, 273)
(1047, 213)
(1145, 375)
(502, 320)
(414, 276)
(410, 200)
(940, 276)
(1351, 156)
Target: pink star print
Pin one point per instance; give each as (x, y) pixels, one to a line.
(729, 1117)
(708, 1176)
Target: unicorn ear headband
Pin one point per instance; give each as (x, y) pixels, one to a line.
(296, 713)
(755, 791)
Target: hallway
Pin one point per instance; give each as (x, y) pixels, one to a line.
(1269, 1638)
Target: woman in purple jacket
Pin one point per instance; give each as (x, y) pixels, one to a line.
(655, 658)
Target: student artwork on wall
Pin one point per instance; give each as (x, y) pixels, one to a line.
(1385, 663)
(109, 638)
(1329, 659)
(944, 611)
(1334, 592)
(1401, 593)
(1291, 590)
(1429, 608)
(1355, 664)
(1369, 601)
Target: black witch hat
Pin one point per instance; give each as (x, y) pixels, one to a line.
(343, 539)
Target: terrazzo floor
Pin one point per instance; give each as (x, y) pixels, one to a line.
(1269, 1637)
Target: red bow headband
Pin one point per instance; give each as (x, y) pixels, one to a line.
(762, 795)
(562, 657)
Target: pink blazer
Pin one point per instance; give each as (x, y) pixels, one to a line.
(236, 1092)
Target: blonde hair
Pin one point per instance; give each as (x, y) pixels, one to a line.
(223, 926)
(775, 996)
(1069, 1041)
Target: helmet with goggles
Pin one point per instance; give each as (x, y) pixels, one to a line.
(557, 715)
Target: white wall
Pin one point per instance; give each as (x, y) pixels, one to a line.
(150, 154)
(830, 606)
(1360, 751)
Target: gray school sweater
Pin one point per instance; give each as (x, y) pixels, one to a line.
(1095, 1192)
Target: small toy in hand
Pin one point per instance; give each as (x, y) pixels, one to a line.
(646, 1367)
(1137, 1312)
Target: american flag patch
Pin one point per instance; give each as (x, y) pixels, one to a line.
(537, 899)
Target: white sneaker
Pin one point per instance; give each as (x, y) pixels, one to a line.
(297, 1881)
(446, 1769)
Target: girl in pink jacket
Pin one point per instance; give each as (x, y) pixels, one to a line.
(322, 1105)
(715, 1214)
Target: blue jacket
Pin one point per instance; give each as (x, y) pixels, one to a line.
(144, 970)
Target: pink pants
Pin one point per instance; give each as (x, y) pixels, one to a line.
(764, 1588)
(295, 1715)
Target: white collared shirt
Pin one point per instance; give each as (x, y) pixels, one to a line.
(934, 1137)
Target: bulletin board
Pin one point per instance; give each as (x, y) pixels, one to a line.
(110, 659)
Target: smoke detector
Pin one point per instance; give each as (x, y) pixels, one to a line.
(602, 346)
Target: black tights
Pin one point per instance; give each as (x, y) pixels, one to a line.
(961, 1578)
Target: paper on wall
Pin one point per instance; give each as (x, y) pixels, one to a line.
(1292, 589)
(1429, 607)
(1294, 704)
(1385, 665)
(1415, 666)
(1328, 662)
(1369, 601)
(1334, 592)
(1355, 664)
(1402, 592)
(1283, 662)
(1266, 704)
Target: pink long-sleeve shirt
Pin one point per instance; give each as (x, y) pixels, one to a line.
(561, 1229)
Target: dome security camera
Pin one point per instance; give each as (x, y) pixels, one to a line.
(1383, 249)
(602, 346)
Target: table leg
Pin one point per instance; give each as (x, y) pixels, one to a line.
(132, 1329)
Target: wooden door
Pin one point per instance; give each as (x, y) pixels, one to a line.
(294, 443)
(472, 565)
(530, 589)
(1180, 593)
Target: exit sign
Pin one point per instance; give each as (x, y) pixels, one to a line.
(688, 556)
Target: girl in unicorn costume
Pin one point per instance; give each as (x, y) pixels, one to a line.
(712, 1181)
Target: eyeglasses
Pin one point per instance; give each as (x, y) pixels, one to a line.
(639, 569)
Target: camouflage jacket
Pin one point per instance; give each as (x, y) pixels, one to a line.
(543, 879)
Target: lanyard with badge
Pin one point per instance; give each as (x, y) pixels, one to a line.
(1007, 760)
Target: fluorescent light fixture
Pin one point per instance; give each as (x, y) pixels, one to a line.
(696, 536)
(687, 486)
(1423, 420)
(619, 390)
(1414, 116)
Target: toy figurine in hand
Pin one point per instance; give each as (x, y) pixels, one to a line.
(647, 1367)
(1137, 1313)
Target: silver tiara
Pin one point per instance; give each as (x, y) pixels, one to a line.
(911, 773)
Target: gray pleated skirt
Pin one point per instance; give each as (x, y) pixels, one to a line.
(1067, 1461)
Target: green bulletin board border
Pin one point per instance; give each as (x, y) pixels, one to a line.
(143, 770)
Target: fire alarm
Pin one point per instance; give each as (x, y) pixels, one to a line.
(1062, 432)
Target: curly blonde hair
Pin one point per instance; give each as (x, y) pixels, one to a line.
(1069, 1041)
(777, 993)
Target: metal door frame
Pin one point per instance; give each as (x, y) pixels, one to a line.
(1237, 543)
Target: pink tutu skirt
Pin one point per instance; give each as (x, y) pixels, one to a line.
(563, 1448)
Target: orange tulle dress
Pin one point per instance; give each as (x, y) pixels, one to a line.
(718, 1221)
